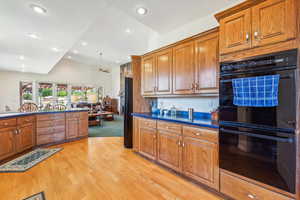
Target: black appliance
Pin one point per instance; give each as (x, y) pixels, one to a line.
(259, 142)
(128, 109)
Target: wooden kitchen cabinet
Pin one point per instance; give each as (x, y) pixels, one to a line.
(148, 75)
(273, 21)
(235, 32)
(136, 134)
(25, 139)
(183, 68)
(83, 124)
(207, 64)
(169, 149)
(7, 142)
(200, 157)
(164, 65)
(257, 23)
(147, 133)
(72, 128)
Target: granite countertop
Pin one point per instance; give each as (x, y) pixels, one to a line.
(18, 114)
(201, 120)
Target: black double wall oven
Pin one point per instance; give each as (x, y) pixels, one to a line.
(258, 142)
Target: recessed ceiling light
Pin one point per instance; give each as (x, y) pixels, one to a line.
(128, 30)
(55, 49)
(142, 11)
(21, 57)
(84, 43)
(33, 36)
(38, 9)
(75, 51)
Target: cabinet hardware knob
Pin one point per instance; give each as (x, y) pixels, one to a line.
(247, 37)
(183, 144)
(197, 134)
(16, 131)
(251, 196)
(179, 143)
(5, 124)
(256, 35)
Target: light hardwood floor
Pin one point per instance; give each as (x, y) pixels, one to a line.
(99, 169)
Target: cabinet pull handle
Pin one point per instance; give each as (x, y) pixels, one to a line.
(16, 131)
(256, 35)
(179, 143)
(247, 37)
(193, 86)
(183, 144)
(251, 196)
(197, 134)
(5, 124)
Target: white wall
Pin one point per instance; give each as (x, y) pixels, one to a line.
(200, 104)
(66, 71)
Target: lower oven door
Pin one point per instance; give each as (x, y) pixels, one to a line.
(265, 156)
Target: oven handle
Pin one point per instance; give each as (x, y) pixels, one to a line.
(278, 139)
(230, 80)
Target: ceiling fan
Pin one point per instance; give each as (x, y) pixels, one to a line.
(101, 68)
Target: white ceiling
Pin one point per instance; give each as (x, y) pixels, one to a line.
(100, 23)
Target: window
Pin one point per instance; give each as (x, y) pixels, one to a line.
(91, 94)
(45, 94)
(26, 92)
(62, 94)
(77, 94)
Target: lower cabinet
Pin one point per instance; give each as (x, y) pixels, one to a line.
(148, 142)
(25, 139)
(7, 142)
(76, 125)
(83, 124)
(72, 128)
(187, 150)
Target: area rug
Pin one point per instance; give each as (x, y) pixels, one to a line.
(28, 160)
(109, 128)
(39, 196)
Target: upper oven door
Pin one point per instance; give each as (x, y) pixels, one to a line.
(282, 116)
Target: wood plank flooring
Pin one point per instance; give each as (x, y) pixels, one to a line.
(99, 169)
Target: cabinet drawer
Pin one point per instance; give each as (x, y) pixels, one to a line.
(72, 115)
(4, 123)
(45, 131)
(58, 129)
(44, 124)
(147, 123)
(244, 190)
(44, 139)
(204, 134)
(57, 137)
(25, 120)
(55, 116)
(171, 127)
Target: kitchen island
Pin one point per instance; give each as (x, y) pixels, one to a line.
(23, 131)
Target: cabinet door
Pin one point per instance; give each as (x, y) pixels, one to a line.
(72, 128)
(235, 32)
(148, 75)
(25, 137)
(273, 21)
(207, 64)
(83, 127)
(136, 134)
(183, 68)
(148, 142)
(7, 143)
(164, 72)
(200, 161)
(169, 149)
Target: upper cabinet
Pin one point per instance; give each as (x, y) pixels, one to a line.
(235, 32)
(183, 68)
(207, 64)
(164, 64)
(148, 75)
(256, 23)
(273, 21)
(187, 68)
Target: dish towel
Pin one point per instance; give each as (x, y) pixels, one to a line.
(259, 91)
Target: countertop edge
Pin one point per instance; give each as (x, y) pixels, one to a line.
(174, 120)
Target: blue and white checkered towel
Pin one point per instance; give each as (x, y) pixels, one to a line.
(260, 91)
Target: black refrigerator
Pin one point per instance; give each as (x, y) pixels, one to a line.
(128, 109)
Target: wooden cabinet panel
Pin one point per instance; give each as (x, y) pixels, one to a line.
(235, 32)
(244, 190)
(44, 139)
(25, 120)
(203, 134)
(25, 139)
(206, 64)
(170, 127)
(169, 149)
(136, 134)
(164, 72)
(72, 128)
(148, 142)
(183, 68)
(83, 127)
(7, 144)
(273, 21)
(148, 123)
(5, 123)
(200, 161)
(148, 75)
